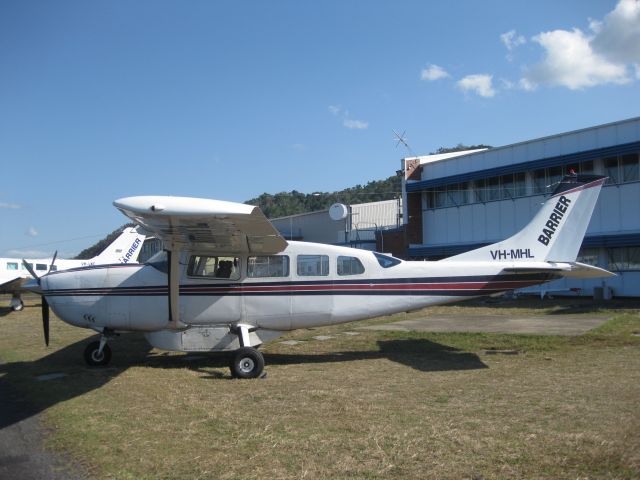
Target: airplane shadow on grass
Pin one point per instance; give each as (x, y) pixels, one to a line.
(20, 380)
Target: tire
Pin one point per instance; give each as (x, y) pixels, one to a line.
(247, 363)
(18, 307)
(91, 355)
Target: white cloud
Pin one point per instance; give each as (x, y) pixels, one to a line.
(527, 85)
(577, 60)
(32, 232)
(571, 62)
(617, 37)
(433, 72)
(10, 206)
(355, 124)
(480, 84)
(347, 121)
(511, 40)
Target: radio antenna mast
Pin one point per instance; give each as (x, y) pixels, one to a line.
(402, 139)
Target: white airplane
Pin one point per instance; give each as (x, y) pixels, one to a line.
(228, 281)
(14, 273)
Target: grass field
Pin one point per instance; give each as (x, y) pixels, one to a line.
(377, 405)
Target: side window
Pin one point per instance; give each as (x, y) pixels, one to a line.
(350, 266)
(12, 266)
(28, 263)
(214, 267)
(268, 266)
(41, 266)
(313, 265)
(386, 261)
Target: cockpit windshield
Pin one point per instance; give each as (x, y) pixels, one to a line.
(159, 261)
(386, 261)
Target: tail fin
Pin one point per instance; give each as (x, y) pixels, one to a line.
(556, 232)
(124, 249)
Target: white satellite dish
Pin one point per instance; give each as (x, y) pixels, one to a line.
(338, 211)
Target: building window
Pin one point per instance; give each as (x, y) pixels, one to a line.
(588, 256)
(554, 176)
(520, 184)
(539, 182)
(214, 267)
(349, 266)
(624, 258)
(587, 167)
(507, 188)
(629, 167)
(480, 191)
(429, 199)
(313, 265)
(611, 170)
(464, 192)
(268, 266)
(493, 188)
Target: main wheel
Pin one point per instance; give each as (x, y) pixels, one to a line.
(95, 359)
(18, 306)
(247, 363)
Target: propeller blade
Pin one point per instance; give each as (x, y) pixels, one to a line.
(45, 320)
(53, 260)
(30, 270)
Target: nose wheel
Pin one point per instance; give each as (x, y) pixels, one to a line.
(97, 354)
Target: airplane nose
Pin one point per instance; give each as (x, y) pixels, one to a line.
(33, 286)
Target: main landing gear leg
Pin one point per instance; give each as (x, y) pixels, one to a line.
(98, 353)
(247, 362)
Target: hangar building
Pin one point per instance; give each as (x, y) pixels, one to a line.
(457, 202)
(360, 226)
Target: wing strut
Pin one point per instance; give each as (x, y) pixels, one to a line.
(174, 287)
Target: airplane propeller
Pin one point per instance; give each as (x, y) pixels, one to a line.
(44, 303)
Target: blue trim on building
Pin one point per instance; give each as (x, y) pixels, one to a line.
(525, 166)
(614, 240)
(592, 241)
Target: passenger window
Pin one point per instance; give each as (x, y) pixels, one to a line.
(28, 263)
(214, 267)
(386, 261)
(41, 266)
(349, 266)
(313, 265)
(12, 265)
(268, 266)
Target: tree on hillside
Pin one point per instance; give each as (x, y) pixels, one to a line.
(459, 148)
(97, 248)
(291, 203)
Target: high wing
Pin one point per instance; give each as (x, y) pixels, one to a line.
(203, 224)
(10, 286)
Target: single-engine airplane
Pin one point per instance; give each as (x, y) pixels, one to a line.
(14, 273)
(228, 281)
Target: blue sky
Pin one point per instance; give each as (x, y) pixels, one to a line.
(226, 100)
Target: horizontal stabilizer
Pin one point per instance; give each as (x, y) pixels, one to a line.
(570, 269)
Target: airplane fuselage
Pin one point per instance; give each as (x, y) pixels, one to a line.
(306, 285)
